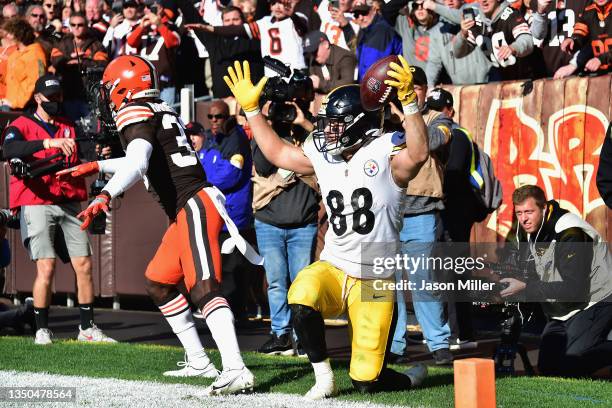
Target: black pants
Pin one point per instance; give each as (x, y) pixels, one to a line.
(10, 316)
(577, 347)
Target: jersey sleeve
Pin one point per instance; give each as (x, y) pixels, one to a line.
(517, 25)
(397, 142)
(310, 150)
(139, 130)
(131, 114)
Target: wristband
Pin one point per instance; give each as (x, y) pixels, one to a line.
(252, 113)
(411, 108)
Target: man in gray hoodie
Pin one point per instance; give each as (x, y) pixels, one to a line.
(504, 36)
(473, 68)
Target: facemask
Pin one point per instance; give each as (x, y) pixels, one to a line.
(52, 108)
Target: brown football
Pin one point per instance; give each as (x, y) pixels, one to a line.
(374, 92)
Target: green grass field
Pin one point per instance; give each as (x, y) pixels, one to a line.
(284, 375)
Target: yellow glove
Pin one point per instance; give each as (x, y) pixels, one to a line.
(247, 94)
(403, 83)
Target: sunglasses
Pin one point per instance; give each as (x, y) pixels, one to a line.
(37, 15)
(419, 6)
(217, 116)
(77, 25)
(359, 13)
(49, 6)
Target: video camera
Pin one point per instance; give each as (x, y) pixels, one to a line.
(298, 88)
(99, 128)
(8, 219)
(38, 168)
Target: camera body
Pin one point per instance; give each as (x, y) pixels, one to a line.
(8, 219)
(296, 88)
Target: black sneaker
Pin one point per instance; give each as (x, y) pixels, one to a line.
(277, 345)
(397, 359)
(443, 356)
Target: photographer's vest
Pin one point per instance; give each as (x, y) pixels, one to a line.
(601, 269)
(45, 189)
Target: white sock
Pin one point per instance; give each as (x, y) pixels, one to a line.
(323, 371)
(178, 316)
(220, 321)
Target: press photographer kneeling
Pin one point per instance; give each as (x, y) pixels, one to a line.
(572, 272)
(48, 206)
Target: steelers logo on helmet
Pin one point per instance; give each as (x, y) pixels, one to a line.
(342, 122)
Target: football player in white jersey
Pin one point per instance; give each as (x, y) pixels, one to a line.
(362, 179)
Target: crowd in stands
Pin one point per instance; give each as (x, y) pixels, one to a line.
(334, 42)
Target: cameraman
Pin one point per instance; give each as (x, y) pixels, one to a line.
(49, 206)
(572, 279)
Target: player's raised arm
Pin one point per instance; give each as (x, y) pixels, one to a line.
(277, 152)
(407, 163)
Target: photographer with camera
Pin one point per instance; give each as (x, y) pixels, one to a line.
(70, 57)
(570, 274)
(48, 207)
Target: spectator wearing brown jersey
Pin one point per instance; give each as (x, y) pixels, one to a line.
(594, 27)
(331, 65)
(156, 39)
(35, 15)
(75, 52)
(504, 36)
(24, 66)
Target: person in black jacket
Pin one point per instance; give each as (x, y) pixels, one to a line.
(223, 51)
(286, 229)
(604, 173)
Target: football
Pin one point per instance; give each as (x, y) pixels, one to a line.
(374, 92)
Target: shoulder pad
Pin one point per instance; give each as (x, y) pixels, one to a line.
(133, 113)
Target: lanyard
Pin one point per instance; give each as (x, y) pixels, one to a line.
(45, 125)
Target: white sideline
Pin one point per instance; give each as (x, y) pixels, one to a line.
(111, 392)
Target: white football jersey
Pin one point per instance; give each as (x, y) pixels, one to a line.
(364, 205)
(279, 40)
(331, 28)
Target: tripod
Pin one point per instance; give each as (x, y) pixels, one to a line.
(509, 346)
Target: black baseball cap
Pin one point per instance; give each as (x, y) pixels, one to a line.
(48, 85)
(194, 128)
(312, 41)
(439, 99)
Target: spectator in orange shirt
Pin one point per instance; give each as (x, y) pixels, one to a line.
(8, 46)
(24, 66)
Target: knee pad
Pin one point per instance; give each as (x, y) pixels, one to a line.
(310, 329)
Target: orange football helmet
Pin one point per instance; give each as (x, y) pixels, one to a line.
(127, 78)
